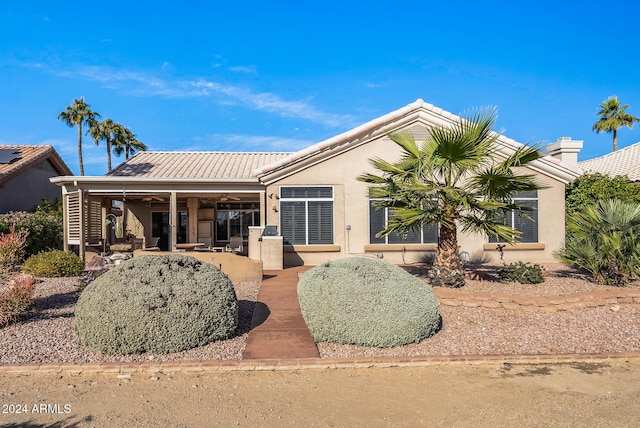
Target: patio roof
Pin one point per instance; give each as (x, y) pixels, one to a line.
(195, 165)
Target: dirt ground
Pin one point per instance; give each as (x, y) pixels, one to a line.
(487, 395)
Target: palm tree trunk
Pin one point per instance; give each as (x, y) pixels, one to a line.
(447, 269)
(80, 149)
(108, 153)
(615, 140)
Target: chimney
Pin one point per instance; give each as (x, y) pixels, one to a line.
(565, 150)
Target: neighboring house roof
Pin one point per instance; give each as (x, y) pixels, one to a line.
(195, 165)
(16, 159)
(417, 112)
(621, 162)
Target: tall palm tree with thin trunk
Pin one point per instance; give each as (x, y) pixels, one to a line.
(104, 130)
(454, 178)
(125, 141)
(613, 116)
(77, 114)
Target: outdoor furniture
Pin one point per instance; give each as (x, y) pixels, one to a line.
(189, 246)
(235, 245)
(153, 244)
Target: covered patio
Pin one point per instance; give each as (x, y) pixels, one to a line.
(167, 201)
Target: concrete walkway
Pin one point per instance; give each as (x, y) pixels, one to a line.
(278, 330)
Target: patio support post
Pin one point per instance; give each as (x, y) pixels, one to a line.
(83, 225)
(65, 219)
(173, 220)
(192, 221)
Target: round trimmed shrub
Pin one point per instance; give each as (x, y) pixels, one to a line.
(158, 304)
(367, 302)
(54, 264)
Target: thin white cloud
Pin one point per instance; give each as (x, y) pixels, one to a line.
(244, 69)
(244, 142)
(267, 101)
(148, 85)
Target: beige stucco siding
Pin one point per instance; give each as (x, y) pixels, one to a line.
(351, 208)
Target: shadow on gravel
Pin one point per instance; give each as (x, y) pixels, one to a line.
(246, 319)
(56, 301)
(68, 422)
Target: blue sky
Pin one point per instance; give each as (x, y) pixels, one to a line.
(279, 76)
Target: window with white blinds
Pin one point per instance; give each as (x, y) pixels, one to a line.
(524, 221)
(378, 219)
(306, 215)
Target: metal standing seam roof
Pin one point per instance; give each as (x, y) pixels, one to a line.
(27, 156)
(195, 165)
(625, 161)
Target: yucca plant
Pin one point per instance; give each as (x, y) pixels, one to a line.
(604, 240)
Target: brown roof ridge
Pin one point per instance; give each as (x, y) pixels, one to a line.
(31, 155)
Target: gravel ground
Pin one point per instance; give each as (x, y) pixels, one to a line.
(47, 336)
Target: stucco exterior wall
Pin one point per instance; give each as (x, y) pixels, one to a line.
(25, 190)
(351, 215)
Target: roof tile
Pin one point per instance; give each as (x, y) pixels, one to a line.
(625, 161)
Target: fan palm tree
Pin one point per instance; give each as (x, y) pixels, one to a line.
(125, 141)
(104, 130)
(454, 178)
(77, 114)
(604, 239)
(612, 117)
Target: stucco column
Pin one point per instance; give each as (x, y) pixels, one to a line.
(173, 220)
(193, 204)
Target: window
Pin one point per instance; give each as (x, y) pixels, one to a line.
(378, 219)
(524, 221)
(234, 219)
(306, 215)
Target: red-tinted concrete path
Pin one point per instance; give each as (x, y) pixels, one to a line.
(278, 330)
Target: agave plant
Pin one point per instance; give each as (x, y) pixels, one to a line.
(603, 239)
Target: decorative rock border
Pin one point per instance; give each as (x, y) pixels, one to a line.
(564, 302)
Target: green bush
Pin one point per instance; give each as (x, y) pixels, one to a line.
(603, 240)
(159, 304)
(524, 273)
(588, 189)
(45, 230)
(54, 264)
(367, 302)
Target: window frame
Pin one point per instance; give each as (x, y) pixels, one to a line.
(307, 200)
(401, 241)
(516, 217)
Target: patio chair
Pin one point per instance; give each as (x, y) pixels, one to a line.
(235, 245)
(153, 244)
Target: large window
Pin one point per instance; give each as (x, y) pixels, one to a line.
(306, 215)
(378, 219)
(525, 221)
(234, 219)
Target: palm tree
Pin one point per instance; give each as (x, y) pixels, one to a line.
(612, 117)
(104, 131)
(125, 141)
(75, 115)
(604, 239)
(452, 179)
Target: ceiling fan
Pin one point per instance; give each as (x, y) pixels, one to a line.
(151, 198)
(222, 198)
(225, 197)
